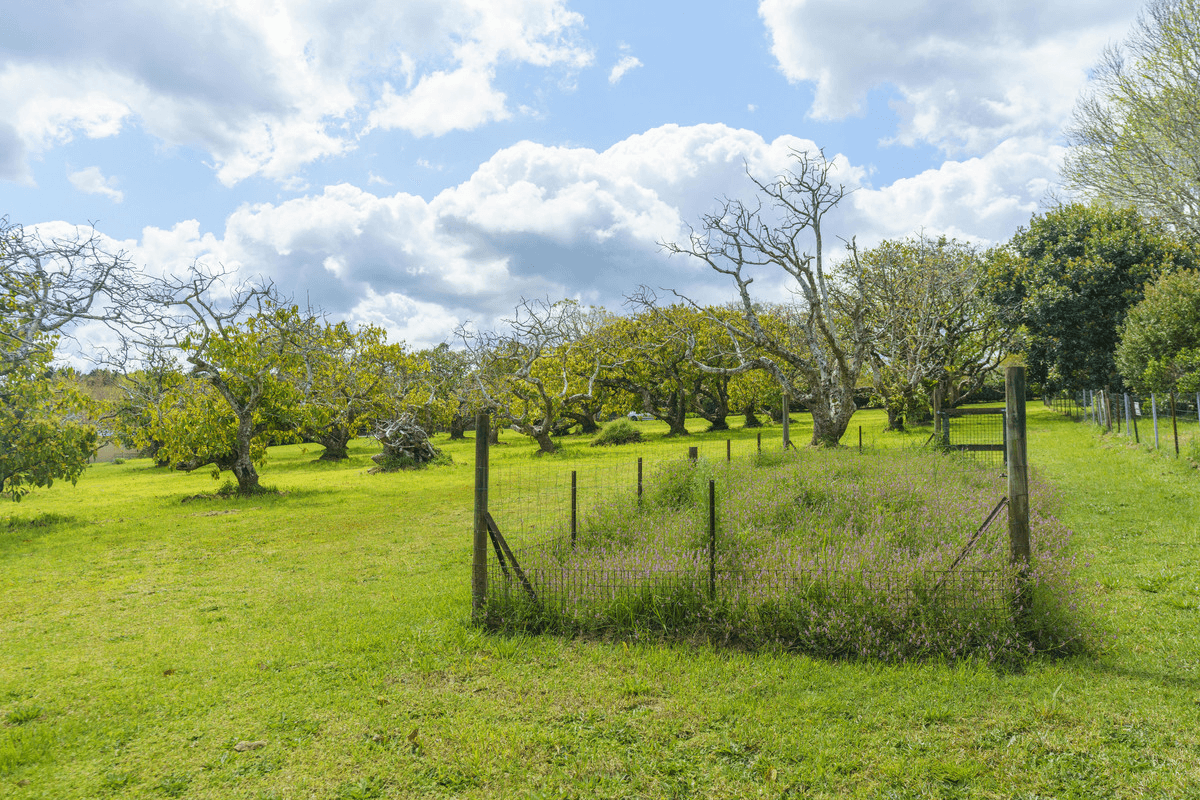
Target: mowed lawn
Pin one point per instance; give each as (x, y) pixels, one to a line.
(326, 632)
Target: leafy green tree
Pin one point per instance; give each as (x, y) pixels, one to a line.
(1070, 278)
(353, 377)
(42, 437)
(138, 416)
(753, 393)
(1136, 127)
(455, 396)
(248, 357)
(646, 363)
(47, 285)
(934, 336)
(244, 388)
(1159, 349)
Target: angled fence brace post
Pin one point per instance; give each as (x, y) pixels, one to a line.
(483, 427)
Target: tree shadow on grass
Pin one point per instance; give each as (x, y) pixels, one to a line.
(19, 531)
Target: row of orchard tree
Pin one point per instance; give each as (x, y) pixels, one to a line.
(1099, 294)
(216, 373)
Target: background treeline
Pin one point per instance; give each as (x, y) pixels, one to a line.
(211, 375)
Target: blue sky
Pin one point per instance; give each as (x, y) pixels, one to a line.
(420, 163)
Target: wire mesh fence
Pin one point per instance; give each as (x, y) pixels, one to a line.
(535, 500)
(976, 432)
(1168, 421)
(622, 542)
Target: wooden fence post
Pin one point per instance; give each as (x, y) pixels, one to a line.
(712, 540)
(728, 450)
(1154, 411)
(483, 428)
(1125, 396)
(639, 481)
(787, 414)
(1174, 425)
(1018, 481)
(574, 507)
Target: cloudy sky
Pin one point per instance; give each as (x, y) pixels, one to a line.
(418, 163)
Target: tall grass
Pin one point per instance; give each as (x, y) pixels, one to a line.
(830, 553)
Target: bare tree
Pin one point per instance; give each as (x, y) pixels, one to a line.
(1136, 126)
(49, 283)
(537, 368)
(828, 344)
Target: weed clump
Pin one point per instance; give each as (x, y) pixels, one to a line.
(396, 463)
(619, 431)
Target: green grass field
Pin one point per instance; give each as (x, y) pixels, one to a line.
(143, 637)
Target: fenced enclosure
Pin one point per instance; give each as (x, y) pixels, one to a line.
(885, 554)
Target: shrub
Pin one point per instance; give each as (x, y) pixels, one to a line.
(619, 431)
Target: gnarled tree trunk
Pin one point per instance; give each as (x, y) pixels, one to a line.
(752, 421)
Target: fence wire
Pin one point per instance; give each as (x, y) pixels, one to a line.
(556, 514)
(1167, 421)
(975, 432)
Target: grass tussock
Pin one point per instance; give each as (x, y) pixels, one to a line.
(829, 553)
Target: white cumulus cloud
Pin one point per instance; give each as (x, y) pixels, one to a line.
(621, 67)
(970, 73)
(91, 181)
(536, 221)
(264, 86)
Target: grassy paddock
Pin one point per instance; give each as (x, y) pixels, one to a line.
(142, 638)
